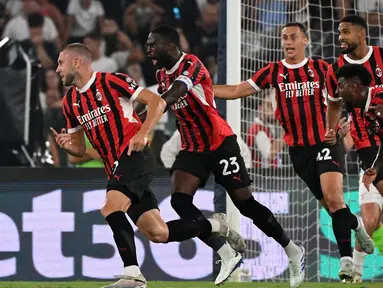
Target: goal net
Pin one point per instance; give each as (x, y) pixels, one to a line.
(274, 182)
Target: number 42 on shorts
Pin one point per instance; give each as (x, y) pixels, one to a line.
(324, 155)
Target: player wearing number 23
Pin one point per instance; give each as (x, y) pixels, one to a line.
(208, 144)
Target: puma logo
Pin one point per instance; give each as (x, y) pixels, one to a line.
(238, 178)
(336, 163)
(117, 177)
(77, 104)
(284, 76)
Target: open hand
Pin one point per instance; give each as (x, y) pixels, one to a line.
(344, 127)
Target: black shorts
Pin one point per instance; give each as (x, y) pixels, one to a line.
(132, 176)
(367, 157)
(226, 163)
(310, 162)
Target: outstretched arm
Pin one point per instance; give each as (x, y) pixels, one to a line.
(234, 91)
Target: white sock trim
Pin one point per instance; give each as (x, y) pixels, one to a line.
(132, 270)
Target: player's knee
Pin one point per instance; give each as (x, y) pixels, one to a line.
(334, 199)
(180, 200)
(159, 234)
(371, 225)
(335, 204)
(111, 205)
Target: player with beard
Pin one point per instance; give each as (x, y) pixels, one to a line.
(101, 105)
(209, 145)
(299, 84)
(354, 49)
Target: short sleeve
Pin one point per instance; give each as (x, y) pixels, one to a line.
(262, 78)
(193, 72)
(124, 84)
(71, 121)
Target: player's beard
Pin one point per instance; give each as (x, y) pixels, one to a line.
(351, 47)
(69, 78)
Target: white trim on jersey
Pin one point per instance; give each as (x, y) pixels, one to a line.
(294, 66)
(127, 108)
(198, 91)
(360, 61)
(368, 100)
(334, 99)
(75, 129)
(136, 93)
(175, 67)
(252, 83)
(88, 84)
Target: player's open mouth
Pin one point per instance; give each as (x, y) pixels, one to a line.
(290, 49)
(343, 45)
(154, 59)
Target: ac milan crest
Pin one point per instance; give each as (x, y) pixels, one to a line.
(98, 95)
(378, 72)
(311, 72)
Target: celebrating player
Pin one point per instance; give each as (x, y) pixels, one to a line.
(354, 87)
(299, 83)
(101, 104)
(208, 145)
(354, 49)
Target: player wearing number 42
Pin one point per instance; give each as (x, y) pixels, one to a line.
(209, 145)
(300, 91)
(101, 104)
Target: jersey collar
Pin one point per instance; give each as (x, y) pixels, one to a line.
(87, 85)
(175, 67)
(360, 61)
(294, 66)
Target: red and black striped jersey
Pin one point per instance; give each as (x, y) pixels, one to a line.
(300, 98)
(103, 108)
(375, 97)
(374, 64)
(202, 129)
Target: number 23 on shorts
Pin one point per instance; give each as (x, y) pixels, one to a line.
(230, 166)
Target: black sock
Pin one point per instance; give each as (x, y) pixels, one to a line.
(353, 220)
(184, 229)
(123, 235)
(264, 220)
(183, 204)
(342, 231)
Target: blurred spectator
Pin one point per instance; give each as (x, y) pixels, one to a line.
(205, 39)
(50, 10)
(119, 46)
(101, 62)
(46, 50)
(84, 17)
(17, 27)
(135, 71)
(53, 116)
(262, 137)
(139, 19)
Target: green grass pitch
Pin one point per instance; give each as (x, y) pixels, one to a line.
(184, 285)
